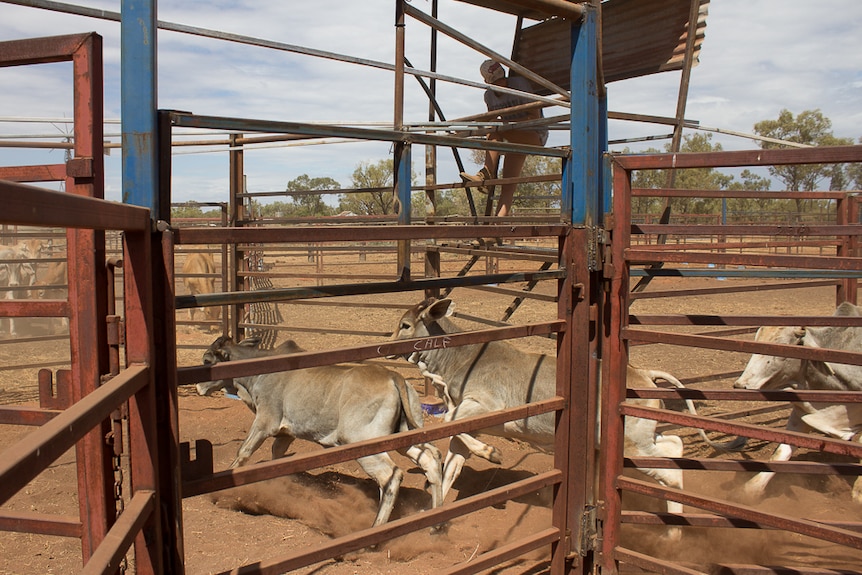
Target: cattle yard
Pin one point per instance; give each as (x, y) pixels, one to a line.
(355, 320)
(116, 462)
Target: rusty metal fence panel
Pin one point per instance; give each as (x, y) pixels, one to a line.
(85, 410)
(724, 253)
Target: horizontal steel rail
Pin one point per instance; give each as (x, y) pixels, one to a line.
(747, 395)
(710, 520)
(41, 523)
(774, 157)
(831, 263)
(704, 341)
(751, 465)
(241, 368)
(650, 564)
(303, 462)
(825, 444)
(758, 195)
(287, 294)
(794, 230)
(723, 289)
(752, 320)
(328, 233)
(331, 131)
(720, 272)
(505, 553)
(60, 209)
(778, 521)
(18, 415)
(27, 458)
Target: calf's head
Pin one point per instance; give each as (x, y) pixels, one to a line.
(422, 319)
(770, 371)
(223, 349)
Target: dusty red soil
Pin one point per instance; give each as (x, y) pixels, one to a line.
(232, 528)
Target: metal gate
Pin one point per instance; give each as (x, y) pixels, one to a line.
(101, 407)
(725, 253)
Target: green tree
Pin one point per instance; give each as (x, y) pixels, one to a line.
(375, 195)
(311, 204)
(854, 174)
(810, 127)
(750, 182)
(277, 209)
(189, 210)
(687, 179)
(194, 210)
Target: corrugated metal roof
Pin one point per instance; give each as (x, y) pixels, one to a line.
(639, 37)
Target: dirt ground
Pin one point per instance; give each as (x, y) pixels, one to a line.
(231, 528)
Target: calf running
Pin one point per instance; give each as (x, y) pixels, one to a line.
(330, 405)
(480, 378)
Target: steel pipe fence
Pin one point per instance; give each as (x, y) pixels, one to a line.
(717, 259)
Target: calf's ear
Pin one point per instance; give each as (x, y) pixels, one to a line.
(440, 309)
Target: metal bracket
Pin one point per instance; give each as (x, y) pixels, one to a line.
(589, 530)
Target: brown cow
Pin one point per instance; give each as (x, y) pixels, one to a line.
(16, 272)
(200, 269)
(52, 280)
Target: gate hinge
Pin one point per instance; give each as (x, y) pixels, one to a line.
(599, 238)
(589, 530)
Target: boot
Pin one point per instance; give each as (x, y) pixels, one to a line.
(479, 177)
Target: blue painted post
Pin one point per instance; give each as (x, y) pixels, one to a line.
(403, 181)
(584, 173)
(138, 87)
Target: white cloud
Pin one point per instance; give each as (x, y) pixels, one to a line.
(758, 58)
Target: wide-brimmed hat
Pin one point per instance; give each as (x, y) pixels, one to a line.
(491, 71)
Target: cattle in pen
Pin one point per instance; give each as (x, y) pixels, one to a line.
(480, 378)
(766, 372)
(199, 271)
(16, 274)
(52, 280)
(329, 405)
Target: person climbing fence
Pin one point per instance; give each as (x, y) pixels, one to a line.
(494, 73)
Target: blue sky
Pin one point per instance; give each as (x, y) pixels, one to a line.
(759, 57)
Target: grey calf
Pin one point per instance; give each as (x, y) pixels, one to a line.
(330, 405)
(481, 378)
(766, 372)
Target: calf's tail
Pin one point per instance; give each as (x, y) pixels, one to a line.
(411, 407)
(732, 445)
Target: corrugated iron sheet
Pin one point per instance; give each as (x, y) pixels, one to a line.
(639, 37)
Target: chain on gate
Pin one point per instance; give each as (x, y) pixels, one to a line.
(119, 417)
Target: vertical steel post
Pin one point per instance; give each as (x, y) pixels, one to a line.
(139, 103)
(431, 151)
(403, 172)
(614, 373)
(236, 212)
(87, 279)
(145, 430)
(584, 164)
(401, 167)
(847, 213)
(584, 201)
